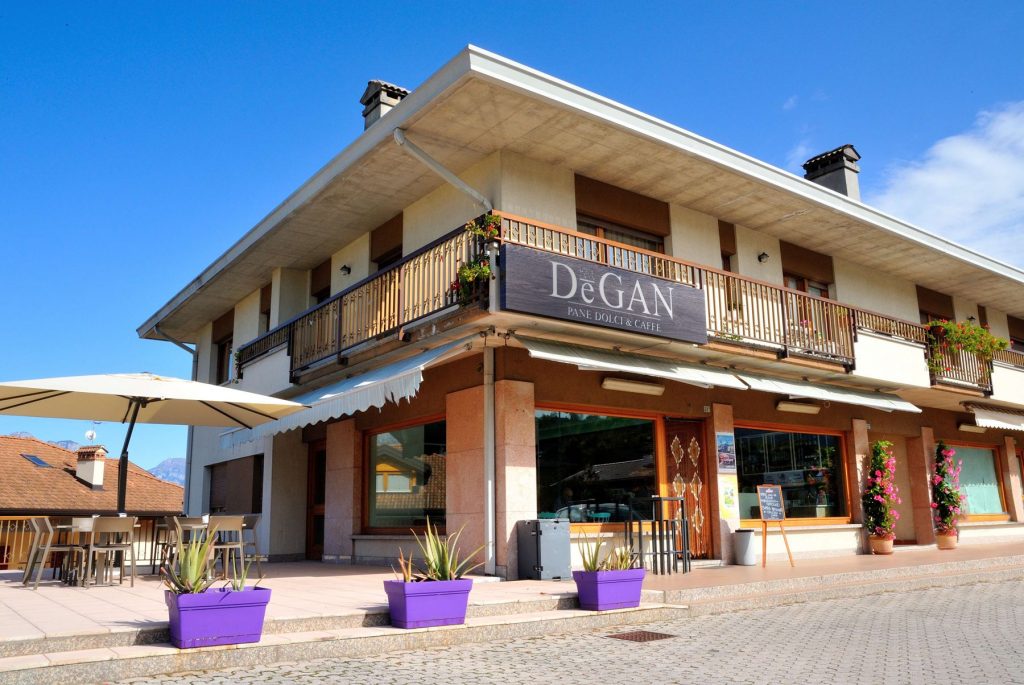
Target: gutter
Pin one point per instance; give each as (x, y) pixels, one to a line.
(188, 445)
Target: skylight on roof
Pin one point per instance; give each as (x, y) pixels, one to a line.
(37, 461)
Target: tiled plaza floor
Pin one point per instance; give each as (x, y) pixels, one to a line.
(968, 634)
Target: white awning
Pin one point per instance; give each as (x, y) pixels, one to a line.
(830, 393)
(391, 383)
(989, 417)
(593, 359)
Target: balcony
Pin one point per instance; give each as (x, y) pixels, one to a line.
(743, 315)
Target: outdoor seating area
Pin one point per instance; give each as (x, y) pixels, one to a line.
(107, 550)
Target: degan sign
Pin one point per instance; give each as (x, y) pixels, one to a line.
(536, 282)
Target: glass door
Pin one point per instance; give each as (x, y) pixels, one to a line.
(315, 495)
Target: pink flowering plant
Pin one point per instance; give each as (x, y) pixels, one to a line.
(947, 499)
(881, 494)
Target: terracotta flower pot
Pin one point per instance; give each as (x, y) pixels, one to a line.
(880, 545)
(946, 541)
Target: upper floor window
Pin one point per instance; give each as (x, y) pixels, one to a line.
(223, 347)
(806, 285)
(320, 282)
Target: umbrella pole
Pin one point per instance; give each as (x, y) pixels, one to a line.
(122, 471)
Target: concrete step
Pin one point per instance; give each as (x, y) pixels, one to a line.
(370, 617)
(134, 661)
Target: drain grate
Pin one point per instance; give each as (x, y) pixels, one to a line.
(641, 636)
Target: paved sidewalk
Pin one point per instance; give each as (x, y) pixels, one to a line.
(966, 634)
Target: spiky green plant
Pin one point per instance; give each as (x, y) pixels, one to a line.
(591, 553)
(441, 559)
(240, 576)
(620, 559)
(192, 574)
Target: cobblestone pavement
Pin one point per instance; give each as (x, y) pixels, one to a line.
(972, 634)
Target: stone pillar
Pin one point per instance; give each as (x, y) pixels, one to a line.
(464, 467)
(856, 468)
(725, 500)
(920, 459)
(289, 294)
(1011, 479)
(344, 484)
(515, 469)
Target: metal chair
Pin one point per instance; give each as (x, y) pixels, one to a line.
(43, 546)
(250, 543)
(110, 535)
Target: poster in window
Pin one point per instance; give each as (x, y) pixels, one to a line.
(725, 444)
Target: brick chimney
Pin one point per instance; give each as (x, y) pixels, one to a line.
(836, 169)
(378, 99)
(91, 461)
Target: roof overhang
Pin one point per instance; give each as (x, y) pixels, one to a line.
(479, 103)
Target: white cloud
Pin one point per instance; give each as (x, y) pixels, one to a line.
(797, 155)
(791, 102)
(968, 187)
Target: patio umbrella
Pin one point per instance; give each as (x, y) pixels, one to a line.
(140, 398)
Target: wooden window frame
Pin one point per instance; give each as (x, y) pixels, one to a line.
(601, 225)
(844, 457)
(368, 435)
(997, 454)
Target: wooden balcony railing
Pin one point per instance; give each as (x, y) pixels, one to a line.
(950, 366)
(417, 286)
(739, 309)
(262, 345)
(1012, 357)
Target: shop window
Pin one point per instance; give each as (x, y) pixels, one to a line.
(978, 480)
(593, 468)
(406, 483)
(808, 466)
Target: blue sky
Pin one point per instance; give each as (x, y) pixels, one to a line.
(138, 141)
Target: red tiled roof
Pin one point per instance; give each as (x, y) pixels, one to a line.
(29, 489)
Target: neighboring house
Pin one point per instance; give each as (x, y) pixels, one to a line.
(42, 479)
(654, 293)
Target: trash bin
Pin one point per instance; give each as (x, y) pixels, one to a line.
(743, 545)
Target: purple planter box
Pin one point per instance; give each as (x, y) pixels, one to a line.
(603, 590)
(428, 603)
(216, 617)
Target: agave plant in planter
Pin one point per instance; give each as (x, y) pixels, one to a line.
(201, 615)
(612, 581)
(436, 594)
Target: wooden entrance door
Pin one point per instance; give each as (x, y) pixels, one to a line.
(686, 472)
(316, 490)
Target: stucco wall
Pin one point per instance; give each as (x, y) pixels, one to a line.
(997, 323)
(447, 208)
(204, 348)
(865, 287)
(890, 361)
(749, 244)
(536, 190)
(269, 374)
(1007, 383)
(694, 237)
(289, 294)
(964, 309)
(247, 319)
(356, 255)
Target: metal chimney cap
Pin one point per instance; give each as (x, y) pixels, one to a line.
(844, 154)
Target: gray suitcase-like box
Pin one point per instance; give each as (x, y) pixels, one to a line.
(544, 550)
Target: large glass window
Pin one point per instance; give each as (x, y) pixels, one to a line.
(978, 480)
(592, 468)
(407, 477)
(808, 466)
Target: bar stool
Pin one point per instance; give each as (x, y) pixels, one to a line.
(42, 547)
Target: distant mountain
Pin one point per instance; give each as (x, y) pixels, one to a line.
(172, 470)
(69, 445)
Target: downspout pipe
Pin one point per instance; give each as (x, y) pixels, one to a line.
(489, 464)
(441, 170)
(188, 444)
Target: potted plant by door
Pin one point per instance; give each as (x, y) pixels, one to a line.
(436, 594)
(202, 616)
(947, 498)
(612, 582)
(880, 496)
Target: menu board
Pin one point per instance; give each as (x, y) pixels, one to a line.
(770, 499)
